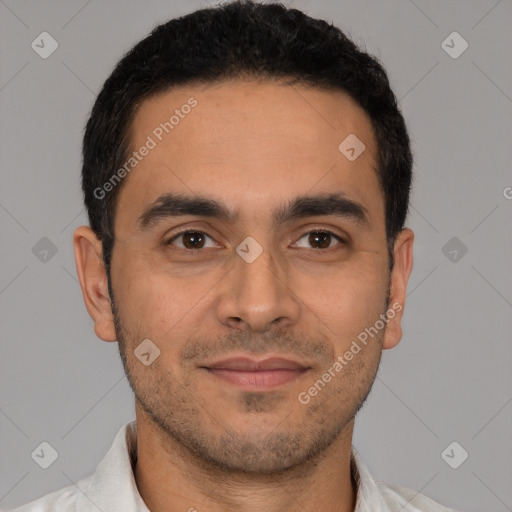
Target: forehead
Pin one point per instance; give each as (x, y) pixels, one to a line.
(252, 143)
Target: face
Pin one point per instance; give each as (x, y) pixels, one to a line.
(251, 252)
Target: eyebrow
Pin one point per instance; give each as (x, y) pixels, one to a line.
(175, 205)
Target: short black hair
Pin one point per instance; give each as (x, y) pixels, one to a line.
(241, 39)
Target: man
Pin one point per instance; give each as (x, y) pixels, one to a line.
(246, 173)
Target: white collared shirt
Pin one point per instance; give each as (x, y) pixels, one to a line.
(112, 487)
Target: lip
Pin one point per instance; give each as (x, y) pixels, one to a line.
(246, 364)
(257, 375)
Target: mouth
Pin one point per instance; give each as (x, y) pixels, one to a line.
(256, 375)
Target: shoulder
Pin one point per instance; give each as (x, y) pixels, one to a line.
(400, 498)
(61, 500)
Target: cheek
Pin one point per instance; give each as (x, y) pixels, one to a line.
(159, 307)
(348, 301)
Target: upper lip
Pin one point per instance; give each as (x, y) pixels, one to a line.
(246, 364)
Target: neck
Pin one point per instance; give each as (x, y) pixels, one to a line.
(170, 478)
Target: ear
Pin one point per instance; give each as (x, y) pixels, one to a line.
(93, 281)
(398, 287)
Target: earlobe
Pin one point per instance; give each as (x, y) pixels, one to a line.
(403, 253)
(93, 281)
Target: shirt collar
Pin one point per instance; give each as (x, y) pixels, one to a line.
(112, 487)
(369, 498)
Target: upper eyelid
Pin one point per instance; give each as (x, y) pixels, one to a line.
(189, 230)
(341, 239)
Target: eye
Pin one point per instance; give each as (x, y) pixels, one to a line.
(191, 240)
(321, 239)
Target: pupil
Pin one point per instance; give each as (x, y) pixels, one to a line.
(314, 237)
(195, 239)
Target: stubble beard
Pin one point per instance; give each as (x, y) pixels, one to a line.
(183, 420)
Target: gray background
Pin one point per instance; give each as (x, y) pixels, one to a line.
(448, 380)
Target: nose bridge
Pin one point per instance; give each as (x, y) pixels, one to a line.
(260, 276)
(257, 292)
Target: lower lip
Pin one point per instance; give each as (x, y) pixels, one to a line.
(257, 380)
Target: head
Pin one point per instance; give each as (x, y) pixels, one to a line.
(246, 172)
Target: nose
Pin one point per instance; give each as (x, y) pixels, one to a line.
(257, 296)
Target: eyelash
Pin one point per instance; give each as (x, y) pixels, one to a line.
(317, 231)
